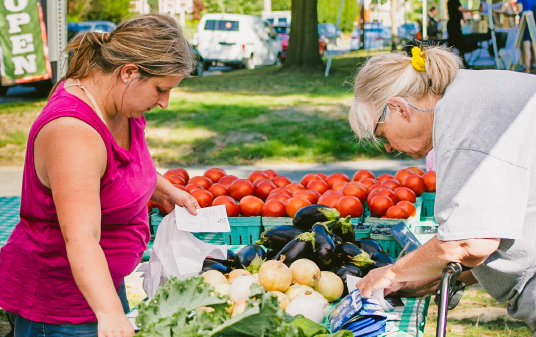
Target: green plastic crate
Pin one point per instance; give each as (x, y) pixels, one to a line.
(386, 240)
(244, 230)
(407, 222)
(361, 232)
(427, 209)
(271, 222)
(424, 230)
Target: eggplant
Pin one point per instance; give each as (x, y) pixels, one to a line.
(350, 253)
(344, 229)
(209, 264)
(369, 245)
(229, 262)
(250, 257)
(324, 255)
(308, 216)
(345, 270)
(301, 247)
(382, 259)
(277, 237)
(271, 253)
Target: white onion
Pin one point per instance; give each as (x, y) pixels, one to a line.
(307, 306)
(239, 289)
(214, 277)
(238, 308)
(330, 286)
(274, 275)
(305, 272)
(236, 273)
(222, 289)
(282, 299)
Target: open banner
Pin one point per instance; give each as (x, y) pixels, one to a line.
(23, 42)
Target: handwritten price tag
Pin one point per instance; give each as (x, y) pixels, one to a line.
(210, 219)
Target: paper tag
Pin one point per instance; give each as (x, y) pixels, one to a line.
(209, 219)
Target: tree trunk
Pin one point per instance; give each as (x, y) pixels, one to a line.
(303, 51)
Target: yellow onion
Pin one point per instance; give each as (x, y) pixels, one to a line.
(330, 286)
(282, 299)
(214, 277)
(305, 272)
(297, 290)
(274, 275)
(236, 273)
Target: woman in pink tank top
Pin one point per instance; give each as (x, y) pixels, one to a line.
(88, 177)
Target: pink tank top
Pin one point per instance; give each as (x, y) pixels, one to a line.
(36, 281)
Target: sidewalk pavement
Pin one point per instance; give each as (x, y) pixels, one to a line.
(11, 177)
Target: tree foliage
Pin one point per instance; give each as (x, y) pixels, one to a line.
(281, 5)
(253, 7)
(84, 10)
(329, 9)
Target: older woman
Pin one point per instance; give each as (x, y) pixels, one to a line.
(88, 177)
(481, 127)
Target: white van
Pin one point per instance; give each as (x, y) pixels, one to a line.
(237, 40)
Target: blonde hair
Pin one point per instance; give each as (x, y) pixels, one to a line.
(154, 42)
(390, 75)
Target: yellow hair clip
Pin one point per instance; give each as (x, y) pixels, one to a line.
(417, 59)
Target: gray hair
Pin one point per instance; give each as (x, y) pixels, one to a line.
(390, 75)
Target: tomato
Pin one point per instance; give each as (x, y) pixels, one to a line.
(203, 197)
(258, 181)
(339, 185)
(271, 173)
(329, 200)
(274, 208)
(257, 175)
(322, 175)
(356, 191)
(384, 192)
(408, 207)
(404, 193)
(414, 183)
(263, 189)
(382, 177)
(191, 187)
(379, 205)
(200, 180)
(180, 187)
(336, 177)
(363, 174)
(178, 171)
(279, 196)
(240, 188)
(294, 186)
(293, 205)
(396, 212)
(315, 192)
(227, 180)
(176, 179)
(391, 183)
(319, 185)
(250, 205)
(306, 194)
(150, 206)
(373, 187)
(218, 189)
(214, 174)
(349, 206)
(368, 182)
(230, 205)
(280, 190)
(306, 179)
(416, 170)
(429, 181)
(402, 174)
(281, 181)
(332, 192)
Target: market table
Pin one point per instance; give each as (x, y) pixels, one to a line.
(414, 309)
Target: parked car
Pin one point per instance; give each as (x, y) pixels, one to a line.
(329, 33)
(283, 34)
(377, 36)
(74, 28)
(237, 40)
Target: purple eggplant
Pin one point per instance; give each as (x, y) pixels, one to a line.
(301, 247)
(349, 253)
(324, 255)
(369, 245)
(344, 229)
(277, 237)
(346, 270)
(308, 216)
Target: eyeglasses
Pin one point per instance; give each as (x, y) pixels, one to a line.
(381, 120)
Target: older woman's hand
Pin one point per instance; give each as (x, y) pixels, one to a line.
(379, 278)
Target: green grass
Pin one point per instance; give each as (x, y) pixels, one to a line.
(243, 117)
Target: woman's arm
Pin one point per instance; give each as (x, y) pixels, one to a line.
(427, 262)
(70, 159)
(168, 196)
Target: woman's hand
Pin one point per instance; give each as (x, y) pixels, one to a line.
(115, 325)
(181, 198)
(379, 278)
